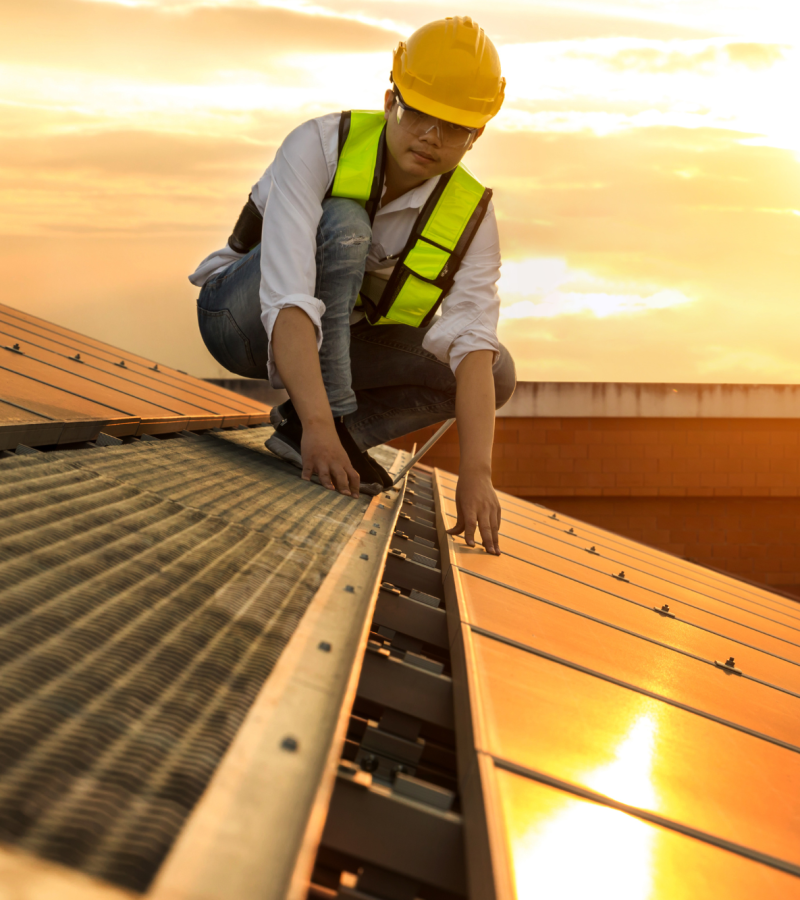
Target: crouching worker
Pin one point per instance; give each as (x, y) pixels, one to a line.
(361, 275)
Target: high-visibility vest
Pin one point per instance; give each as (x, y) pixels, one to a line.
(444, 229)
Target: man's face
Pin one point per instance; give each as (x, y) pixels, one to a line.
(421, 157)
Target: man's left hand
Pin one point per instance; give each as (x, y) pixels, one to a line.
(477, 506)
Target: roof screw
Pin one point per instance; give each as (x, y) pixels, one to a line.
(665, 607)
(289, 743)
(554, 516)
(593, 550)
(571, 531)
(16, 346)
(369, 762)
(350, 589)
(155, 367)
(122, 363)
(77, 356)
(324, 646)
(365, 556)
(730, 663)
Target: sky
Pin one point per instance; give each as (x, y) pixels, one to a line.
(645, 167)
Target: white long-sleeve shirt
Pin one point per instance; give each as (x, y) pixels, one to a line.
(289, 196)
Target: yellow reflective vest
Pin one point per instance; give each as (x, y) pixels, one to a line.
(444, 229)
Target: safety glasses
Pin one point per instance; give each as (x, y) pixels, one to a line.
(418, 123)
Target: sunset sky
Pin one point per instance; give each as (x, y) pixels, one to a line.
(646, 167)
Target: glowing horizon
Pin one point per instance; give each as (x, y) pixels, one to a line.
(646, 172)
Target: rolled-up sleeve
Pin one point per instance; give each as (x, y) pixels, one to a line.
(471, 310)
(291, 193)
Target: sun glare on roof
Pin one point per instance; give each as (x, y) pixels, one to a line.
(588, 850)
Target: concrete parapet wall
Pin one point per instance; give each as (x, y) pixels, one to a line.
(613, 400)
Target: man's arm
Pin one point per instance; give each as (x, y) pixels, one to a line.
(294, 346)
(476, 502)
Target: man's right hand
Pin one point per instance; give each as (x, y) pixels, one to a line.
(324, 456)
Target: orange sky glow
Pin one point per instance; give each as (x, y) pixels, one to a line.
(646, 167)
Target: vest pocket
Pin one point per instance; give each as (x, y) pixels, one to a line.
(227, 343)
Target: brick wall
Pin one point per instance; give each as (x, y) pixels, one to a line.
(725, 492)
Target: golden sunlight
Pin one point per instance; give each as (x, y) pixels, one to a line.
(590, 850)
(646, 166)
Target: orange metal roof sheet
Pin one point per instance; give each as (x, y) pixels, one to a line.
(570, 847)
(50, 374)
(604, 745)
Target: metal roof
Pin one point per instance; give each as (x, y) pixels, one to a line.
(627, 722)
(218, 680)
(147, 591)
(58, 386)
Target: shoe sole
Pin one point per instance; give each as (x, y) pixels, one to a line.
(283, 450)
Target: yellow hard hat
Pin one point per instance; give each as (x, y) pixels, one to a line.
(451, 70)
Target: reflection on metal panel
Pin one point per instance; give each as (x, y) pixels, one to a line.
(51, 375)
(634, 749)
(564, 847)
(650, 709)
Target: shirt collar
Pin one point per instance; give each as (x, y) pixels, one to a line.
(413, 199)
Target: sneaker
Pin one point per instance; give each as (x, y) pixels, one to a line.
(286, 440)
(280, 413)
(286, 444)
(368, 469)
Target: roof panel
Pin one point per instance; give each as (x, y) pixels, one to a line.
(54, 373)
(564, 847)
(147, 591)
(690, 572)
(643, 664)
(575, 544)
(567, 679)
(501, 614)
(92, 364)
(715, 614)
(48, 400)
(114, 376)
(587, 732)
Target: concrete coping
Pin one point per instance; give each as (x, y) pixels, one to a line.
(577, 399)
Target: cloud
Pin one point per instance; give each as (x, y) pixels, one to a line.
(156, 43)
(545, 288)
(599, 305)
(653, 60)
(756, 56)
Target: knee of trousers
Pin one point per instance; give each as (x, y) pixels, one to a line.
(344, 229)
(505, 378)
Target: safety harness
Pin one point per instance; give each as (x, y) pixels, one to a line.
(425, 270)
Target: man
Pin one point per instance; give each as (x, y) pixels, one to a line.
(362, 274)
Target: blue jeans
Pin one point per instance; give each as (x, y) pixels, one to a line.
(377, 376)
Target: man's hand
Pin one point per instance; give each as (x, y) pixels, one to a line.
(324, 456)
(476, 502)
(477, 506)
(295, 347)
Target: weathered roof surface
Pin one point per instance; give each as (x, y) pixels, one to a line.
(627, 722)
(58, 386)
(147, 591)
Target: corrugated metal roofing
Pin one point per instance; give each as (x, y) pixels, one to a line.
(58, 386)
(628, 723)
(148, 590)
